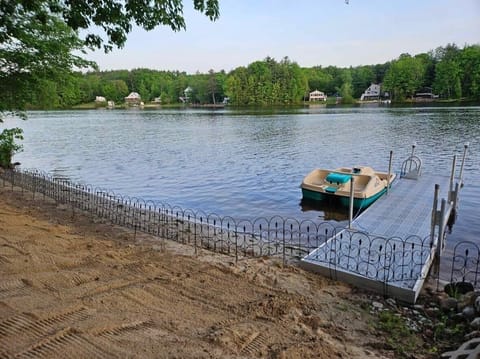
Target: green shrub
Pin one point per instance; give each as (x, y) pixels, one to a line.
(8, 146)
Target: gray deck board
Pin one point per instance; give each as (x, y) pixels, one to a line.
(405, 210)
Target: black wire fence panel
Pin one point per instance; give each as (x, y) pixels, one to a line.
(465, 265)
(276, 236)
(390, 260)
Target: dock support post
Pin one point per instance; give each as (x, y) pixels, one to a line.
(389, 170)
(434, 213)
(441, 228)
(455, 196)
(465, 147)
(452, 177)
(350, 212)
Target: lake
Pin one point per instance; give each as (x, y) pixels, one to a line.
(249, 164)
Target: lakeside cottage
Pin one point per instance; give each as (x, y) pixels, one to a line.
(371, 93)
(317, 96)
(133, 99)
(187, 95)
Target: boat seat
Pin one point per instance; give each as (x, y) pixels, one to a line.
(360, 188)
(338, 178)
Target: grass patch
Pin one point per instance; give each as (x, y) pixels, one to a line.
(399, 337)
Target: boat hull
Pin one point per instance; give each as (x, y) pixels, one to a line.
(369, 185)
(344, 201)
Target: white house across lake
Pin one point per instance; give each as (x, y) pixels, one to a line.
(133, 99)
(371, 93)
(317, 96)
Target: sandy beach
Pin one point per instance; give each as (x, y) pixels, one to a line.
(72, 286)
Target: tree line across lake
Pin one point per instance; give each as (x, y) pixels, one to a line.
(450, 72)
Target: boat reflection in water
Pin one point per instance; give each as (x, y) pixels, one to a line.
(329, 209)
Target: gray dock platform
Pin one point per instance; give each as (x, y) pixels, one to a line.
(390, 247)
(406, 210)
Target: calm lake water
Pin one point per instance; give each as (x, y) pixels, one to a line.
(247, 164)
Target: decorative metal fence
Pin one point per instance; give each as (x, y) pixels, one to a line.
(277, 236)
(389, 260)
(465, 265)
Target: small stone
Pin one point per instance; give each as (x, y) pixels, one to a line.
(475, 324)
(468, 312)
(419, 307)
(471, 335)
(448, 304)
(466, 300)
(432, 311)
(477, 304)
(377, 305)
(470, 297)
(391, 302)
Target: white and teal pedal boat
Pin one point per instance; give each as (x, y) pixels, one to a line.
(369, 185)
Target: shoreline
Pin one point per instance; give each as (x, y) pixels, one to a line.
(73, 276)
(75, 279)
(356, 103)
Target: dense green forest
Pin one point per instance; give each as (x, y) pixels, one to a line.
(450, 72)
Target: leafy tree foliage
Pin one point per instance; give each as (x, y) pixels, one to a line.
(34, 46)
(267, 82)
(469, 60)
(361, 78)
(39, 40)
(404, 77)
(453, 73)
(114, 17)
(346, 90)
(447, 79)
(319, 79)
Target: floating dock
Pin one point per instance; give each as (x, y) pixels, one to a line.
(390, 247)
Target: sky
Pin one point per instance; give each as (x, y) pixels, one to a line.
(309, 32)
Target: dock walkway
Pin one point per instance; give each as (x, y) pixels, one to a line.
(390, 247)
(406, 210)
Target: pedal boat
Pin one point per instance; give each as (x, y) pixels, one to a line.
(369, 185)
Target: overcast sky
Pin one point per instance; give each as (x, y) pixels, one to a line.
(309, 32)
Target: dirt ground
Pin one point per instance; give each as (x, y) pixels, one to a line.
(74, 287)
